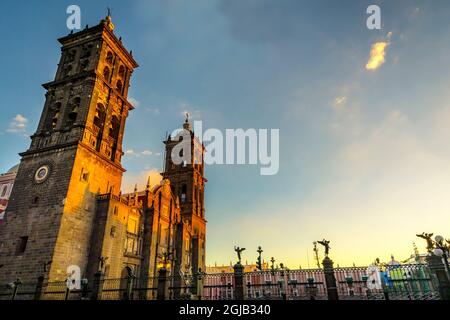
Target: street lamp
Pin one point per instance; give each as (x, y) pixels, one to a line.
(442, 251)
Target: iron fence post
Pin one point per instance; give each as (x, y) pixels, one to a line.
(385, 292)
(238, 281)
(97, 286)
(84, 289)
(16, 285)
(39, 286)
(330, 279)
(162, 280)
(439, 274)
(67, 293)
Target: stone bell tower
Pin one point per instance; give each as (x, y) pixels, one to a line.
(188, 183)
(74, 155)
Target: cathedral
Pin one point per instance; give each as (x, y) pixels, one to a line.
(66, 207)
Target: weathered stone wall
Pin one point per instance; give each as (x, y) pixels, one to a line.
(35, 211)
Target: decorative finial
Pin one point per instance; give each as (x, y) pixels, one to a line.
(135, 188)
(108, 20)
(186, 124)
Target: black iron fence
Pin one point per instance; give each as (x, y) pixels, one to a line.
(396, 282)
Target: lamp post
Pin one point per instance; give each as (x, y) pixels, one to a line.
(259, 259)
(442, 251)
(272, 267)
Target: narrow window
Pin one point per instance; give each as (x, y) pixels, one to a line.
(22, 245)
(121, 71)
(109, 57)
(84, 175)
(183, 192)
(119, 86)
(106, 73)
(5, 188)
(100, 115)
(75, 106)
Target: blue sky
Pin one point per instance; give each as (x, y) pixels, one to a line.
(364, 153)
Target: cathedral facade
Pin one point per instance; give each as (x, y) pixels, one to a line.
(66, 207)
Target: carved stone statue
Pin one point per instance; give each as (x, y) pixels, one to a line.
(102, 262)
(238, 251)
(427, 237)
(326, 244)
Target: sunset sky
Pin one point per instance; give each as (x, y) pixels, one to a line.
(364, 115)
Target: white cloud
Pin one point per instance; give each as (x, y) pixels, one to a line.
(134, 102)
(147, 153)
(154, 111)
(18, 125)
(140, 178)
(137, 154)
(192, 111)
(339, 102)
(414, 12)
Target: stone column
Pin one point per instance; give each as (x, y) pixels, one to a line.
(39, 285)
(162, 281)
(199, 285)
(238, 281)
(97, 286)
(330, 279)
(439, 275)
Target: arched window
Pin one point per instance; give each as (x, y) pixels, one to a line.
(109, 57)
(106, 73)
(71, 55)
(67, 70)
(121, 72)
(119, 86)
(87, 49)
(100, 115)
(114, 127)
(73, 114)
(53, 116)
(55, 119)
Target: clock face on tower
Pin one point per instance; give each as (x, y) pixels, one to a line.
(42, 173)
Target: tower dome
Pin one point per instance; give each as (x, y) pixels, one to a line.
(14, 169)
